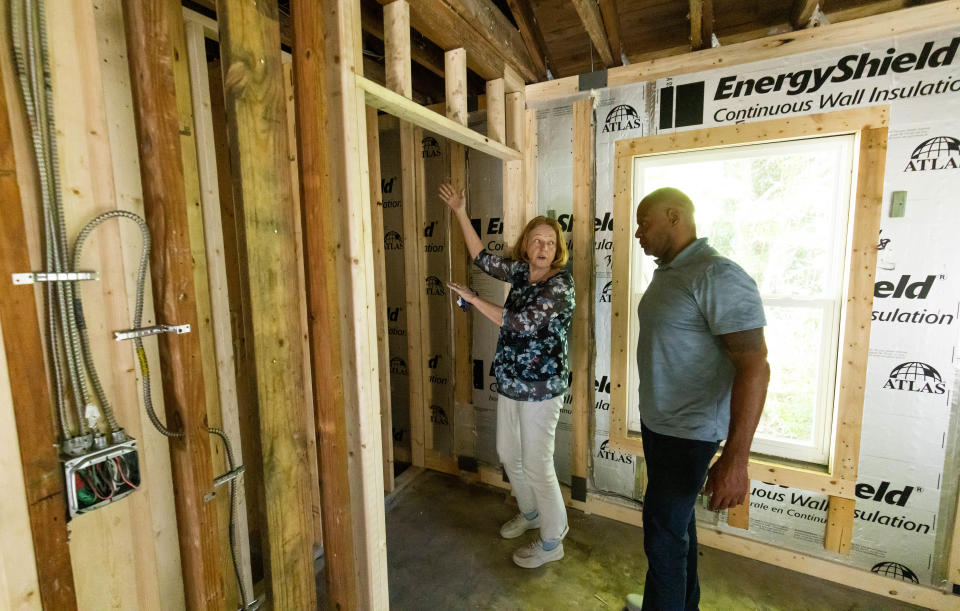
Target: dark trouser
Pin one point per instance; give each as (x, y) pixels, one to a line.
(676, 470)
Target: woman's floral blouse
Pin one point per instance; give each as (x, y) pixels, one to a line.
(531, 360)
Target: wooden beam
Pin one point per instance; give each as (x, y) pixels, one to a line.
(696, 24)
(583, 344)
(396, 21)
(707, 28)
(149, 49)
(532, 36)
(589, 14)
(801, 12)
(486, 18)
(496, 111)
(487, 52)
(256, 120)
(408, 110)
(839, 529)
(380, 281)
(611, 22)
(530, 163)
(945, 14)
(30, 398)
(513, 220)
(424, 52)
(739, 516)
(464, 416)
(340, 286)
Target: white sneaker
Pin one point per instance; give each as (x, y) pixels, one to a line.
(634, 602)
(518, 525)
(533, 555)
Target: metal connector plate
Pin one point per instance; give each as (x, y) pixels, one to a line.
(31, 277)
(154, 330)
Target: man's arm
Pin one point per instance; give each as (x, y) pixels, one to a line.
(728, 483)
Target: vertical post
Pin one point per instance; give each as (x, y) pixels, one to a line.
(161, 167)
(513, 209)
(496, 111)
(42, 474)
(583, 274)
(335, 200)
(256, 122)
(380, 281)
(396, 33)
(530, 162)
(464, 418)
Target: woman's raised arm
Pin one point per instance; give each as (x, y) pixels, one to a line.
(457, 202)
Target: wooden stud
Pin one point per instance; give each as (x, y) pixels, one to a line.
(42, 478)
(707, 26)
(839, 529)
(583, 277)
(945, 14)
(464, 416)
(259, 152)
(801, 12)
(870, 123)
(953, 563)
(341, 289)
(589, 13)
(396, 24)
(408, 110)
(424, 325)
(513, 221)
(149, 50)
(496, 111)
(696, 24)
(380, 278)
(530, 163)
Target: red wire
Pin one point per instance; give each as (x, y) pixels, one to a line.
(116, 459)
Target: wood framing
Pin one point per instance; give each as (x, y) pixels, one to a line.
(589, 13)
(584, 348)
(513, 210)
(530, 162)
(42, 473)
(839, 479)
(396, 38)
(380, 280)
(532, 36)
(496, 111)
(408, 110)
(611, 23)
(801, 12)
(464, 416)
(256, 122)
(340, 287)
(939, 14)
(149, 49)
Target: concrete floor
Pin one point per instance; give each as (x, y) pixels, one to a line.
(444, 552)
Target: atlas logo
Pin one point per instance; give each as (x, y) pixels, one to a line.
(607, 292)
(940, 153)
(895, 570)
(398, 366)
(431, 148)
(621, 118)
(437, 415)
(883, 493)
(916, 377)
(435, 287)
(392, 241)
(613, 455)
(904, 288)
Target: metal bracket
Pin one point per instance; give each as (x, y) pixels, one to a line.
(31, 277)
(228, 476)
(154, 330)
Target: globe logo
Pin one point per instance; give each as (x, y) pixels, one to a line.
(620, 118)
(895, 570)
(435, 287)
(605, 294)
(916, 377)
(398, 366)
(938, 153)
(431, 148)
(392, 241)
(941, 146)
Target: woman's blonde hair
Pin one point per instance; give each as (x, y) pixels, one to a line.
(562, 254)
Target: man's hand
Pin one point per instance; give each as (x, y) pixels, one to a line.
(727, 484)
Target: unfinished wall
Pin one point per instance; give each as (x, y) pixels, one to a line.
(908, 436)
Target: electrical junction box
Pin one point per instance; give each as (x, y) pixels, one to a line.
(101, 477)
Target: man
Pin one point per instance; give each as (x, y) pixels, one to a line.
(702, 363)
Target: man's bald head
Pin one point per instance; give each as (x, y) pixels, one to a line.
(665, 223)
(671, 199)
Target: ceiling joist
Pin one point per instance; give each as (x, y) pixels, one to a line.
(532, 36)
(589, 14)
(611, 22)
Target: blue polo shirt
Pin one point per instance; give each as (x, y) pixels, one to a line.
(685, 372)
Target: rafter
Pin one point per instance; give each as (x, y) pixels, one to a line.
(611, 21)
(532, 36)
(701, 24)
(801, 12)
(479, 27)
(589, 14)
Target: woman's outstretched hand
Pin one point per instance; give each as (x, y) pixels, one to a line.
(455, 201)
(464, 291)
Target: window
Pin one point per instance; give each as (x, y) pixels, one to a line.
(780, 210)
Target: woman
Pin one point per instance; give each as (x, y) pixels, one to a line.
(531, 370)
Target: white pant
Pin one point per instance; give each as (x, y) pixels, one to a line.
(525, 433)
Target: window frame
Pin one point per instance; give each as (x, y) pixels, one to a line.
(826, 304)
(839, 477)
